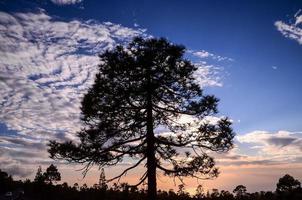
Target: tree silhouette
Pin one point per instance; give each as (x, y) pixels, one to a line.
(240, 191)
(39, 178)
(199, 193)
(215, 193)
(84, 187)
(5, 181)
(76, 186)
(102, 180)
(52, 174)
(287, 184)
(141, 88)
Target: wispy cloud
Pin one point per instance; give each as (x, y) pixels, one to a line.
(263, 148)
(208, 75)
(46, 64)
(205, 54)
(298, 17)
(66, 2)
(21, 142)
(281, 146)
(291, 30)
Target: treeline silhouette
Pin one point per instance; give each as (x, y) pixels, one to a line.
(43, 188)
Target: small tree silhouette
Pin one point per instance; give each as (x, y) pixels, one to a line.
(140, 88)
(240, 191)
(39, 178)
(181, 189)
(76, 186)
(199, 193)
(102, 180)
(52, 174)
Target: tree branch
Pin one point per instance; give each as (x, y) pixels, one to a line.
(173, 143)
(142, 179)
(126, 170)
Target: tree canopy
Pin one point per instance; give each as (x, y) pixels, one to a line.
(287, 183)
(52, 174)
(139, 89)
(240, 191)
(39, 178)
(49, 176)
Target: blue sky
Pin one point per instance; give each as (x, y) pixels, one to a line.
(250, 53)
(254, 92)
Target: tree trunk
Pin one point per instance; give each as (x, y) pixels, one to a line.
(151, 160)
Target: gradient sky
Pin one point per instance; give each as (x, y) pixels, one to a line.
(249, 53)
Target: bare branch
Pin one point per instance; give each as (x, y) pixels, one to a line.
(142, 179)
(126, 170)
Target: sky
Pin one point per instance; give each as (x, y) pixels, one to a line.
(249, 55)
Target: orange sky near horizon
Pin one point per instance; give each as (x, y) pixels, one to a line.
(254, 177)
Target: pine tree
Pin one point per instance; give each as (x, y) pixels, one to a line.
(102, 180)
(52, 174)
(146, 86)
(39, 178)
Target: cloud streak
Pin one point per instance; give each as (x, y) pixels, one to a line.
(281, 146)
(291, 30)
(66, 2)
(205, 54)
